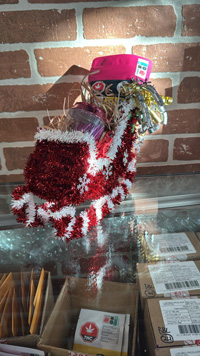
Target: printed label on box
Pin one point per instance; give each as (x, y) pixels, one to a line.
(170, 244)
(185, 351)
(181, 318)
(174, 276)
(99, 332)
(141, 69)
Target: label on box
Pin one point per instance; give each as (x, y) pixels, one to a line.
(175, 276)
(99, 332)
(181, 318)
(141, 69)
(185, 351)
(170, 244)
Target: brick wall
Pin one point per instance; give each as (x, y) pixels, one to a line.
(47, 46)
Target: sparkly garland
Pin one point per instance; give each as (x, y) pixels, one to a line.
(70, 167)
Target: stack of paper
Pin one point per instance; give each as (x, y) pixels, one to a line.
(99, 332)
(8, 350)
(24, 300)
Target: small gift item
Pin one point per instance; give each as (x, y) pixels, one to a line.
(112, 70)
(87, 118)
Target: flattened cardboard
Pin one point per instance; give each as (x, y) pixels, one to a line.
(24, 291)
(48, 303)
(14, 282)
(57, 336)
(38, 304)
(198, 235)
(149, 255)
(146, 287)
(166, 351)
(31, 298)
(3, 279)
(7, 284)
(152, 321)
(6, 319)
(16, 329)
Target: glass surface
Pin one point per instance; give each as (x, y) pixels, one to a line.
(110, 251)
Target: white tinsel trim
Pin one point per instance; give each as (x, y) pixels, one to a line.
(43, 214)
(110, 203)
(69, 228)
(121, 191)
(86, 220)
(128, 183)
(120, 130)
(98, 206)
(131, 166)
(30, 210)
(18, 204)
(67, 210)
(83, 186)
(101, 235)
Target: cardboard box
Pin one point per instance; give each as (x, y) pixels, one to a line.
(114, 297)
(179, 351)
(188, 270)
(163, 338)
(181, 246)
(198, 235)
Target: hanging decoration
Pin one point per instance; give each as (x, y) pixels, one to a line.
(89, 153)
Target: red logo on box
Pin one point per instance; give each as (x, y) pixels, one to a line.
(89, 332)
(99, 86)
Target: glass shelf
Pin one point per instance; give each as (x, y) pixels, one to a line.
(110, 251)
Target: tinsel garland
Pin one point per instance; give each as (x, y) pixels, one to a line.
(75, 161)
(69, 166)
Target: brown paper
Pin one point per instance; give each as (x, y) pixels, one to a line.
(3, 279)
(23, 322)
(7, 284)
(6, 319)
(16, 322)
(31, 298)
(2, 302)
(24, 291)
(48, 303)
(38, 302)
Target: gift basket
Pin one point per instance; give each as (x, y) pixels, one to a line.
(89, 152)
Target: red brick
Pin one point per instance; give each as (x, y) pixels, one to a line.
(163, 86)
(11, 178)
(127, 22)
(186, 149)
(55, 61)
(37, 26)
(173, 169)
(16, 157)
(191, 20)
(182, 121)
(170, 57)
(189, 90)
(14, 64)
(37, 97)
(153, 151)
(18, 129)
